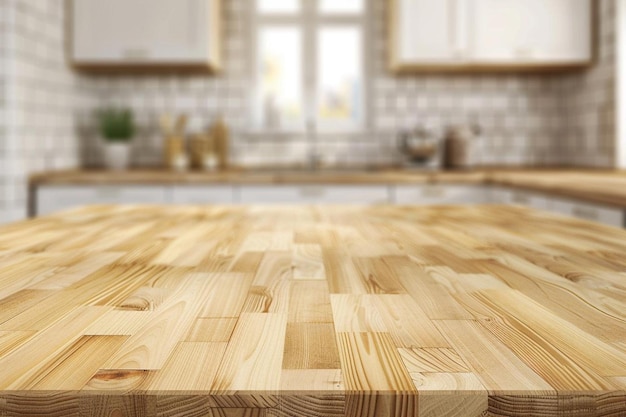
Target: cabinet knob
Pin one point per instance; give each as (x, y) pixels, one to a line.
(312, 192)
(520, 199)
(586, 213)
(524, 52)
(135, 54)
(434, 191)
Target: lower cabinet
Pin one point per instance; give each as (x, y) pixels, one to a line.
(314, 194)
(51, 199)
(197, 194)
(593, 212)
(433, 194)
(610, 216)
(499, 195)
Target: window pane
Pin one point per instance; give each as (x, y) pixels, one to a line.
(279, 6)
(340, 89)
(341, 6)
(281, 76)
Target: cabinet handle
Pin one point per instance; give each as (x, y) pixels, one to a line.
(108, 192)
(586, 213)
(312, 192)
(434, 191)
(524, 52)
(135, 54)
(521, 199)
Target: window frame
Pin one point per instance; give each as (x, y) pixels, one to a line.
(310, 20)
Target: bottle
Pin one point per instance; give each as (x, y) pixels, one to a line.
(220, 135)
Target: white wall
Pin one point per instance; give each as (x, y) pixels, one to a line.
(41, 99)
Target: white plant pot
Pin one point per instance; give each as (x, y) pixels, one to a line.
(117, 156)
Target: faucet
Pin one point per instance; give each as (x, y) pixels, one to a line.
(313, 156)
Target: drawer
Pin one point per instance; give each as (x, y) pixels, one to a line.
(519, 198)
(314, 194)
(439, 194)
(55, 198)
(593, 212)
(203, 195)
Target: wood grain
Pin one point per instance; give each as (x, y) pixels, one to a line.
(312, 312)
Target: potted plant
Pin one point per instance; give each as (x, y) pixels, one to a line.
(118, 129)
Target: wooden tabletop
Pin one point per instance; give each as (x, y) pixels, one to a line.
(312, 312)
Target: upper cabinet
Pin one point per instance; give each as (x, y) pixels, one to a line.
(490, 34)
(146, 34)
(428, 31)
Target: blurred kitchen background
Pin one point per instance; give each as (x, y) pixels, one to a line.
(548, 115)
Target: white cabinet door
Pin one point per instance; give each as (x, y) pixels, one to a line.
(597, 213)
(531, 31)
(209, 194)
(484, 34)
(439, 194)
(314, 194)
(427, 31)
(55, 198)
(134, 32)
(519, 198)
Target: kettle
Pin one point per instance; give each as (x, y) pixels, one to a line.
(419, 145)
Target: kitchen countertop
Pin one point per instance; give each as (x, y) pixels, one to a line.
(598, 186)
(312, 312)
(147, 177)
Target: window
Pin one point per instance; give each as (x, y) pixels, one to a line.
(310, 64)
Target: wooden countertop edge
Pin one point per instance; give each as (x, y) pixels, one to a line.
(321, 393)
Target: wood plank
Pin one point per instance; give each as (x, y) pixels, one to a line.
(227, 297)
(406, 322)
(271, 286)
(12, 340)
(433, 360)
(257, 343)
(310, 346)
(150, 347)
(371, 362)
(307, 380)
(567, 344)
(464, 404)
(341, 273)
(192, 366)
(377, 276)
(308, 262)
(211, 330)
(497, 368)
(356, 314)
(21, 364)
(72, 369)
(309, 302)
(120, 323)
(431, 296)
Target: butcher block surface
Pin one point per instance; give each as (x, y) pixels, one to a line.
(312, 312)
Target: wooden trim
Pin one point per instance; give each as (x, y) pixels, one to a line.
(145, 68)
(217, 40)
(398, 68)
(406, 69)
(392, 30)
